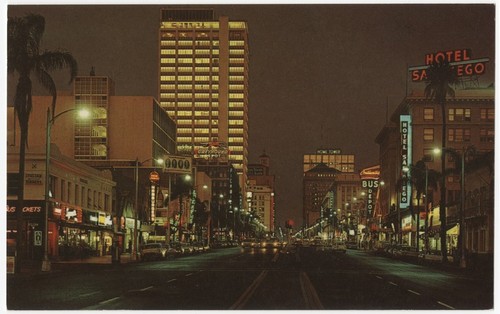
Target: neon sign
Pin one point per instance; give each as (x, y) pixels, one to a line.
(406, 145)
(460, 60)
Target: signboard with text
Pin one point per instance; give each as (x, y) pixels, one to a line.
(177, 164)
(406, 159)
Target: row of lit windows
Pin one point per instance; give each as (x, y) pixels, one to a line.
(236, 113)
(235, 140)
(460, 135)
(236, 131)
(236, 105)
(236, 69)
(329, 158)
(189, 43)
(190, 51)
(236, 96)
(235, 122)
(236, 60)
(236, 51)
(233, 43)
(461, 114)
(187, 78)
(236, 87)
(238, 78)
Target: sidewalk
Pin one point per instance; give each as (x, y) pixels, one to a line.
(31, 268)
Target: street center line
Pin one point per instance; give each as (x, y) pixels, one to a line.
(188, 274)
(243, 299)
(171, 280)
(414, 292)
(147, 288)
(110, 300)
(446, 305)
(89, 294)
(379, 277)
(392, 283)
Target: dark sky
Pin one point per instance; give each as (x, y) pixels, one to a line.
(320, 75)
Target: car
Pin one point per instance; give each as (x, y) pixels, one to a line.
(248, 243)
(270, 243)
(352, 245)
(153, 251)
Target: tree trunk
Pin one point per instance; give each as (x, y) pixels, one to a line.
(20, 202)
(442, 202)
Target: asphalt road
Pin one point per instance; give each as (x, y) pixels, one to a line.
(259, 279)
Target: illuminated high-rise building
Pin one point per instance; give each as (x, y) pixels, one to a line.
(203, 81)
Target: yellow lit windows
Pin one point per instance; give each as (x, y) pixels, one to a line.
(215, 78)
(236, 113)
(236, 51)
(185, 60)
(202, 43)
(185, 95)
(185, 43)
(201, 139)
(184, 87)
(185, 78)
(202, 51)
(198, 87)
(202, 60)
(215, 43)
(236, 43)
(167, 51)
(183, 139)
(236, 69)
(167, 95)
(185, 51)
(236, 131)
(202, 131)
(236, 148)
(167, 78)
(459, 114)
(168, 61)
(236, 60)
(167, 69)
(237, 78)
(236, 87)
(235, 122)
(201, 113)
(201, 95)
(184, 130)
(236, 157)
(201, 104)
(171, 113)
(235, 105)
(236, 96)
(184, 113)
(202, 69)
(428, 114)
(185, 69)
(183, 122)
(199, 122)
(235, 140)
(167, 86)
(215, 52)
(429, 135)
(202, 78)
(168, 42)
(184, 104)
(215, 95)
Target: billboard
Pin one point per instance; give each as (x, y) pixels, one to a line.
(177, 164)
(212, 151)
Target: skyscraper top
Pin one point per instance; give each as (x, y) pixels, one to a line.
(179, 14)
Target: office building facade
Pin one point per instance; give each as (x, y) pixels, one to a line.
(203, 81)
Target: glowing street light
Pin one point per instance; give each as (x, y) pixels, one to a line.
(82, 113)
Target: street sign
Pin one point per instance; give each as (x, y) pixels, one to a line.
(37, 238)
(177, 164)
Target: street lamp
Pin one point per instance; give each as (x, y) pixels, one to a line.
(462, 155)
(136, 201)
(82, 113)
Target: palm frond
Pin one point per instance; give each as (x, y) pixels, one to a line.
(58, 60)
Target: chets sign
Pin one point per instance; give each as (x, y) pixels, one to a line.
(177, 164)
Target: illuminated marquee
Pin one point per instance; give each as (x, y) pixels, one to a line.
(406, 145)
(460, 60)
(370, 182)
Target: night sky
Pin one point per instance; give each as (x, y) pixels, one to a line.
(321, 76)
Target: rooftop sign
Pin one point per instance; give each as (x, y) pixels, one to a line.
(459, 59)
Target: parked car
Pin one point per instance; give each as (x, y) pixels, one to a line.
(339, 247)
(153, 251)
(353, 245)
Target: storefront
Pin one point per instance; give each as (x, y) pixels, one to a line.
(77, 233)
(33, 225)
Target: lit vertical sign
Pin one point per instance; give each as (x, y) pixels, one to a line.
(405, 130)
(153, 202)
(371, 185)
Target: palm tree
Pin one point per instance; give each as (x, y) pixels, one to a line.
(25, 58)
(422, 178)
(439, 78)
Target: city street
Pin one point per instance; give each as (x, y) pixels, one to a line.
(251, 279)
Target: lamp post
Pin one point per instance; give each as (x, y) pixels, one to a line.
(48, 128)
(464, 152)
(136, 203)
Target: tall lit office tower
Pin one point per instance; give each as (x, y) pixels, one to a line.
(203, 81)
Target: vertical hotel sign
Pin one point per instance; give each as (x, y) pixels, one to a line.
(405, 130)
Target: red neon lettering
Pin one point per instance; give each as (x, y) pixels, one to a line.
(468, 69)
(440, 57)
(460, 70)
(479, 68)
(458, 55)
(466, 55)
